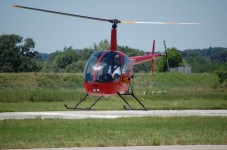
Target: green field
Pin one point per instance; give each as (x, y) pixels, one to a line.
(50, 91)
(37, 133)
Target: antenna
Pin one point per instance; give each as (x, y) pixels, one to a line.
(167, 62)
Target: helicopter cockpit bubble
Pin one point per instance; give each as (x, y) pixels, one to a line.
(103, 66)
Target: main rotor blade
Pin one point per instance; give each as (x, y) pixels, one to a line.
(61, 13)
(115, 21)
(171, 23)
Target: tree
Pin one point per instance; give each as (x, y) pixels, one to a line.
(63, 61)
(220, 56)
(206, 60)
(67, 57)
(17, 55)
(222, 77)
(102, 45)
(174, 59)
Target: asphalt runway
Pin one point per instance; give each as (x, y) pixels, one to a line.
(109, 114)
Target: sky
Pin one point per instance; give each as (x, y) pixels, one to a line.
(53, 32)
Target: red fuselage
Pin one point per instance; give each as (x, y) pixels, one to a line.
(109, 72)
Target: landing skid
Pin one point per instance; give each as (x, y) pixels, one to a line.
(88, 108)
(120, 95)
(130, 107)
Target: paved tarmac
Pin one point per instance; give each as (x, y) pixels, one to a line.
(109, 114)
(172, 147)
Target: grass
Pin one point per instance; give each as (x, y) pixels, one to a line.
(50, 91)
(117, 104)
(38, 133)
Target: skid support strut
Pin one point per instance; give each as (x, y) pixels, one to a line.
(132, 94)
(130, 107)
(88, 108)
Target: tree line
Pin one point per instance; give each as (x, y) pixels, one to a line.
(206, 60)
(73, 60)
(18, 55)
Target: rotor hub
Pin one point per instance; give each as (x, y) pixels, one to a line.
(114, 23)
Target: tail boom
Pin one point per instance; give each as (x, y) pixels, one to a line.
(141, 59)
(147, 57)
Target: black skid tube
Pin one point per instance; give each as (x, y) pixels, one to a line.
(130, 107)
(88, 108)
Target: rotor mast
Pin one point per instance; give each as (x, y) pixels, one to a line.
(113, 40)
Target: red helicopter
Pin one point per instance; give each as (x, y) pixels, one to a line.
(110, 72)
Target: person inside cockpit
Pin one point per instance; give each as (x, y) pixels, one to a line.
(115, 69)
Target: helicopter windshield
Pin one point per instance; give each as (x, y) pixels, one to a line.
(103, 66)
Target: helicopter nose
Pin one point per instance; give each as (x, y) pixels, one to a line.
(95, 89)
(102, 89)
